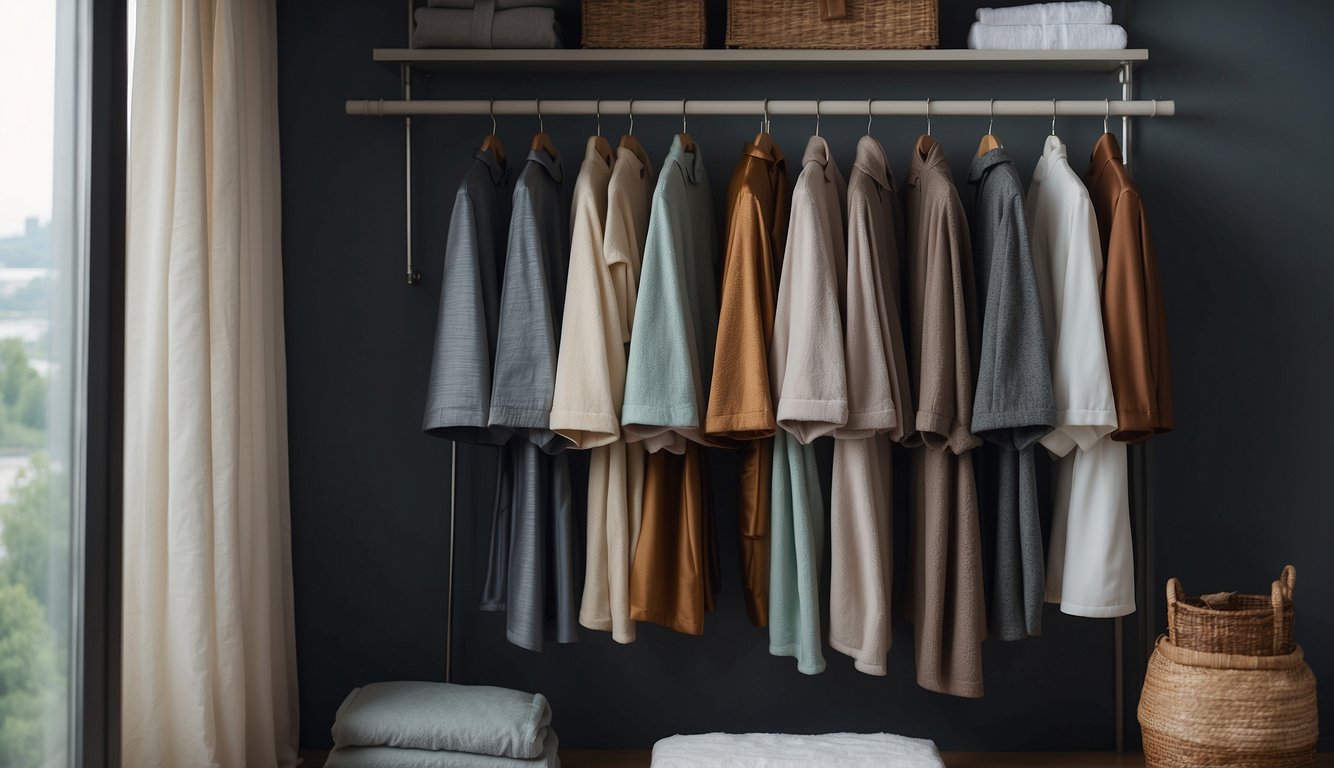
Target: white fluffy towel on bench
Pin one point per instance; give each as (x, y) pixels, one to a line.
(776, 750)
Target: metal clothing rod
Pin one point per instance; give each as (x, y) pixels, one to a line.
(704, 107)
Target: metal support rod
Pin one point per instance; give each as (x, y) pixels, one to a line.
(413, 276)
(449, 606)
(706, 107)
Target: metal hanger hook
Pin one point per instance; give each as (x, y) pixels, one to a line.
(1155, 108)
(928, 116)
(631, 109)
(541, 125)
(1053, 117)
(1106, 113)
(869, 116)
(991, 115)
(817, 117)
(764, 123)
(597, 109)
(491, 110)
(683, 116)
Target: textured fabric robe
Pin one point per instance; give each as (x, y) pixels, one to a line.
(811, 388)
(879, 408)
(675, 574)
(1090, 566)
(948, 611)
(1013, 406)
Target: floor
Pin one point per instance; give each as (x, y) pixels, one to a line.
(575, 758)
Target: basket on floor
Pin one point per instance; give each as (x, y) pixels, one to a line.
(1217, 709)
(643, 24)
(865, 25)
(1227, 622)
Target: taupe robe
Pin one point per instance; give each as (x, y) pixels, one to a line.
(948, 612)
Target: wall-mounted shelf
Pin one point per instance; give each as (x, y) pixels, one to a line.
(574, 59)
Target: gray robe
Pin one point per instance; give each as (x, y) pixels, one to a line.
(1013, 406)
(533, 562)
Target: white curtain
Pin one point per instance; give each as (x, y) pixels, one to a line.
(209, 668)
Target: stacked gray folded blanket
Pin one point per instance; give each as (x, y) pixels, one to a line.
(438, 725)
(1079, 25)
(487, 24)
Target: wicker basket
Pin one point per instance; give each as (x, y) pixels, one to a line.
(643, 24)
(1251, 625)
(868, 25)
(1217, 709)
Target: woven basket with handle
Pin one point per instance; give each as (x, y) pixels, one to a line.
(1227, 622)
(833, 24)
(643, 24)
(1227, 686)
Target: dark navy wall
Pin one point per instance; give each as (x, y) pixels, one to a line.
(1240, 489)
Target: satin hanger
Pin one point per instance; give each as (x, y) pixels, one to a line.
(542, 141)
(628, 141)
(925, 142)
(492, 142)
(687, 143)
(990, 141)
(600, 144)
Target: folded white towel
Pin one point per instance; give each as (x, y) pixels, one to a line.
(1048, 37)
(773, 750)
(1047, 13)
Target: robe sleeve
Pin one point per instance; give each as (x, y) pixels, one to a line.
(1136, 327)
(659, 384)
(740, 403)
(810, 379)
(1013, 404)
(525, 374)
(867, 337)
(583, 410)
(1081, 383)
(458, 400)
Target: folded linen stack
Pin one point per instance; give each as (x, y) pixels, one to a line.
(487, 24)
(438, 725)
(1047, 26)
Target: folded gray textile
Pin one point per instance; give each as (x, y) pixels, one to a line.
(482, 28)
(501, 5)
(393, 757)
(475, 719)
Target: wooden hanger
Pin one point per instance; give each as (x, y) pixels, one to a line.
(687, 143)
(628, 141)
(990, 141)
(541, 141)
(603, 149)
(600, 144)
(492, 142)
(493, 145)
(925, 142)
(924, 145)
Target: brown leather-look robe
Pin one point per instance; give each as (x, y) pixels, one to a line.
(1133, 319)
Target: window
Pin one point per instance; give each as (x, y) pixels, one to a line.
(43, 247)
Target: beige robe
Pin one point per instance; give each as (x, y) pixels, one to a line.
(948, 612)
(879, 409)
(608, 226)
